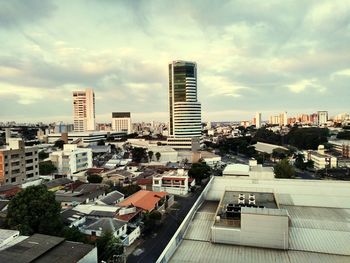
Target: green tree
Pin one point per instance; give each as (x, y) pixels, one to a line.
(199, 171)
(74, 234)
(300, 161)
(43, 155)
(138, 154)
(307, 138)
(59, 144)
(46, 168)
(94, 178)
(158, 155)
(344, 135)
(150, 155)
(101, 143)
(279, 153)
(127, 190)
(108, 246)
(35, 210)
(283, 169)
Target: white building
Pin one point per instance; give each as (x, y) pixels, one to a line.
(184, 108)
(121, 122)
(258, 120)
(304, 219)
(84, 110)
(322, 117)
(18, 163)
(251, 171)
(321, 159)
(174, 182)
(85, 138)
(71, 159)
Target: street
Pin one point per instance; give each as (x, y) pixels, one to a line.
(152, 246)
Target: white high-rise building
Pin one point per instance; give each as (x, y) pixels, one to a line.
(84, 110)
(121, 122)
(322, 117)
(184, 108)
(258, 120)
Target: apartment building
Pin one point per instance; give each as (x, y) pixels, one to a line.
(321, 159)
(71, 159)
(84, 110)
(121, 122)
(18, 163)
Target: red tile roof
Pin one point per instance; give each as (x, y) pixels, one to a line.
(144, 181)
(146, 200)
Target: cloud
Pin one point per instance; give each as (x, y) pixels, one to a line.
(17, 13)
(306, 84)
(250, 53)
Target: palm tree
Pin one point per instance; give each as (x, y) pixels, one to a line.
(158, 155)
(150, 155)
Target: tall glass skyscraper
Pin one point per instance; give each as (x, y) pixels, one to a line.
(184, 108)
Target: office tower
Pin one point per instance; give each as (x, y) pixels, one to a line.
(184, 108)
(258, 120)
(322, 117)
(84, 110)
(121, 122)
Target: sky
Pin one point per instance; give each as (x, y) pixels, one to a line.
(252, 56)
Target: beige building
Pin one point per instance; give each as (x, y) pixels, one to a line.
(121, 122)
(84, 110)
(18, 163)
(321, 159)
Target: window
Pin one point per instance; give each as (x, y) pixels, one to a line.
(13, 180)
(93, 233)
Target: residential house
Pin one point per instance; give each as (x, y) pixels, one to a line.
(173, 182)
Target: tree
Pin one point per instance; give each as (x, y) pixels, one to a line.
(283, 169)
(94, 179)
(307, 138)
(199, 171)
(74, 234)
(35, 210)
(279, 153)
(300, 161)
(108, 246)
(59, 144)
(46, 168)
(158, 155)
(128, 190)
(138, 154)
(101, 143)
(150, 220)
(344, 135)
(43, 155)
(150, 155)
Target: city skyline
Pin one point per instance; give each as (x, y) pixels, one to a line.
(248, 60)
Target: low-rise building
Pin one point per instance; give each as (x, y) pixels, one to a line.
(146, 200)
(321, 159)
(72, 160)
(111, 198)
(84, 194)
(175, 182)
(44, 248)
(251, 171)
(86, 138)
(342, 147)
(18, 163)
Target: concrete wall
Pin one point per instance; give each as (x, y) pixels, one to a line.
(256, 230)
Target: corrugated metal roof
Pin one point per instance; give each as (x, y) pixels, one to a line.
(201, 251)
(200, 228)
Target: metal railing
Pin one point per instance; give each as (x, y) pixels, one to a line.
(176, 240)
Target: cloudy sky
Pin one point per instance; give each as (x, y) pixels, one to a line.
(267, 56)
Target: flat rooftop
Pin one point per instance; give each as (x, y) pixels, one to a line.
(319, 224)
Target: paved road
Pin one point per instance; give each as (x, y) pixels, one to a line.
(153, 246)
